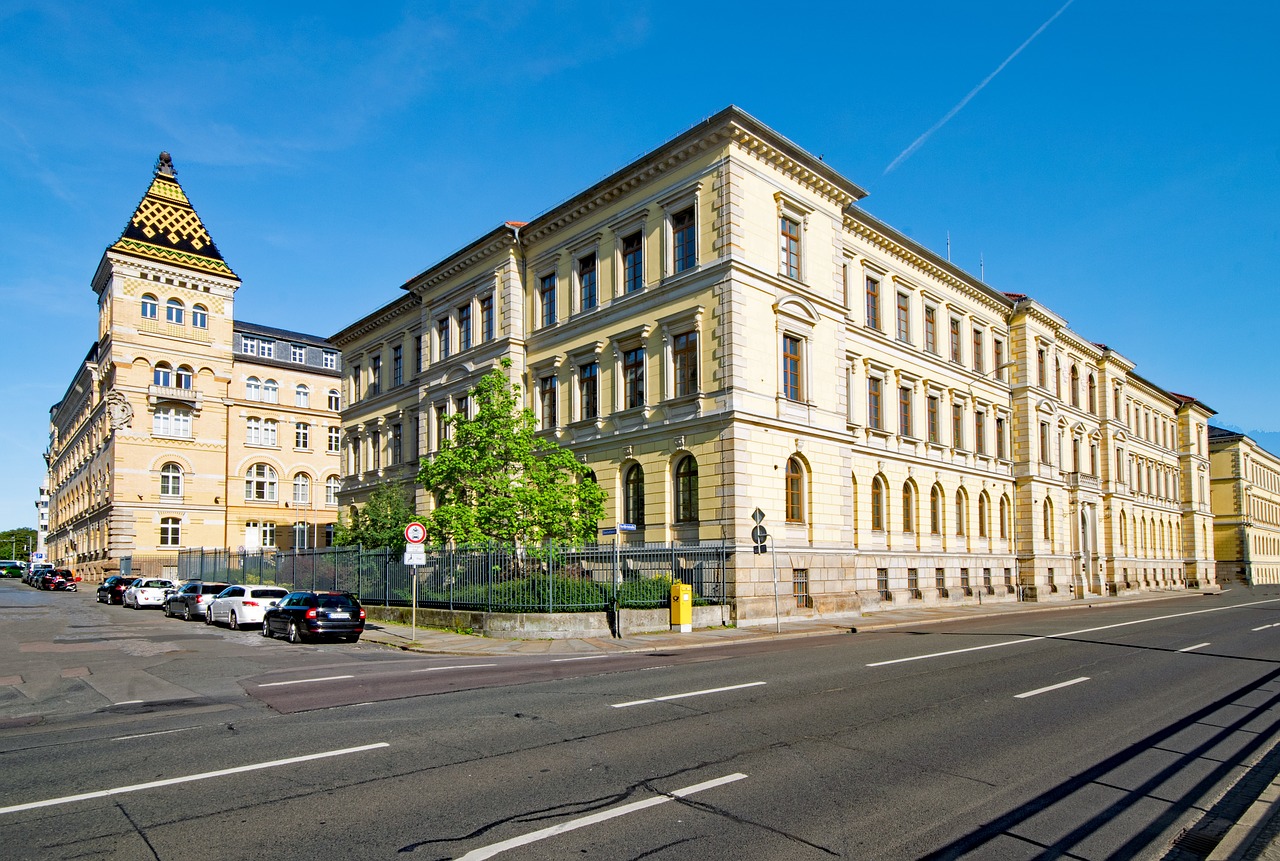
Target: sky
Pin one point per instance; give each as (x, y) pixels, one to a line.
(1119, 162)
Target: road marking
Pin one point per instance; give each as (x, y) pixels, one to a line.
(1193, 648)
(155, 784)
(305, 681)
(128, 702)
(1264, 627)
(1066, 634)
(454, 667)
(602, 816)
(1050, 688)
(583, 658)
(682, 696)
(149, 734)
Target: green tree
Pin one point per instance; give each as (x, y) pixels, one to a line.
(17, 543)
(495, 479)
(381, 522)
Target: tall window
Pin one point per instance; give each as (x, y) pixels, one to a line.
(172, 422)
(931, 329)
(375, 449)
(1044, 443)
(633, 496)
(933, 419)
(260, 484)
(904, 317)
(329, 360)
(301, 435)
(547, 299)
(957, 426)
(875, 412)
(955, 340)
(791, 368)
(335, 400)
(301, 532)
(302, 489)
(977, 350)
(182, 377)
(173, 312)
(682, 234)
(997, 348)
(1004, 517)
(547, 401)
(150, 307)
(632, 263)
(588, 291)
(1093, 394)
(684, 359)
(687, 491)
(789, 231)
(877, 504)
(1075, 386)
(253, 389)
(199, 316)
(795, 491)
(331, 487)
(962, 513)
(935, 510)
(908, 508)
(335, 439)
(1040, 367)
(873, 303)
(633, 377)
(1048, 520)
(980, 432)
(170, 532)
(260, 431)
(904, 411)
(589, 389)
(162, 375)
(301, 396)
(486, 318)
(270, 392)
(397, 361)
(464, 328)
(1000, 438)
(171, 480)
(982, 515)
(397, 442)
(375, 373)
(298, 353)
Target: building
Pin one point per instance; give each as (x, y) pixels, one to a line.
(1246, 508)
(42, 519)
(719, 327)
(182, 424)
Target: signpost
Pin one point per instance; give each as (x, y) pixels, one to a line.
(414, 555)
(760, 538)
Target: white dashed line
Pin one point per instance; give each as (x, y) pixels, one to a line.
(454, 667)
(682, 696)
(583, 658)
(1193, 648)
(1050, 688)
(305, 681)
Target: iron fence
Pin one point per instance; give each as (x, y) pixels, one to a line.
(544, 579)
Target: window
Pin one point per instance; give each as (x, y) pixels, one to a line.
(955, 340)
(1040, 367)
(873, 303)
(1000, 438)
(982, 515)
(588, 291)
(684, 360)
(547, 299)
(171, 480)
(331, 486)
(1093, 394)
(461, 407)
(329, 360)
(464, 330)
(150, 307)
(174, 312)
(1044, 442)
(170, 532)
(904, 411)
(271, 392)
(980, 432)
(791, 367)
(375, 449)
(182, 377)
(795, 491)
(932, 408)
(683, 239)
(977, 351)
(1048, 520)
(199, 317)
(253, 389)
(935, 510)
(997, 347)
(904, 317)
(633, 496)
(172, 422)
(162, 375)
(442, 424)
(875, 414)
(260, 431)
(375, 374)
(355, 455)
(962, 513)
(335, 439)
(1075, 386)
(908, 508)
(300, 534)
(800, 586)
(301, 396)
(298, 354)
(632, 263)
(260, 483)
(486, 318)
(589, 390)
(258, 535)
(1004, 517)
(547, 399)
(248, 346)
(687, 491)
(357, 383)
(931, 329)
(397, 361)
(397, 441)
(957, 426)
(789, 230)
(877, 504)
(335, 400)
(301, 435)
(633, 377)
(302, 489)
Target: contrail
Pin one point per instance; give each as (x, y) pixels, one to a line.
(919, 142)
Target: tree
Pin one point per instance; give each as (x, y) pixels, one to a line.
(381, 522)
(495, 479)
(17, 543)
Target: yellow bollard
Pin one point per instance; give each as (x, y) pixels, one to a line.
(681, 607)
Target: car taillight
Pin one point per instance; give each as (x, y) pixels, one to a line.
(250, 603)
(311, 614)
(362, 614)
(199, 598)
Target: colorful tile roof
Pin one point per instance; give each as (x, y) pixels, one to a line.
(166, 228)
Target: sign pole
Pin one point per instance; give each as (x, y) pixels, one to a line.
(777, 614)
(413, 630)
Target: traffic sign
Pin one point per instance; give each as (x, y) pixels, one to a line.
(759, 535)
(626, 527)
(415, 555)
(415, 533)
(757, 516)
(609, 530)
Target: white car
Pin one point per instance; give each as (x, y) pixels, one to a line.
(243, 606)
(148, 592)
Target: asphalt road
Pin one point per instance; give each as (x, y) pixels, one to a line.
(1092, 734)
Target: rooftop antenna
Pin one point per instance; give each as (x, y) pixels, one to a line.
(948, 246)
(982, 267)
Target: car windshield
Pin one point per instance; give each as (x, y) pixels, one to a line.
(212, 588)
(337, 602)
(268, 593)
(156, 584)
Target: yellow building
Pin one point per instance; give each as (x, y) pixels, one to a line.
(718, 327)
(174, 434)
(1245, 481)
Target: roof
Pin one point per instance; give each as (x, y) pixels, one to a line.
(166, 228)
(283, 334)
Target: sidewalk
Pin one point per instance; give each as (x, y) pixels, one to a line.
(1255, 836)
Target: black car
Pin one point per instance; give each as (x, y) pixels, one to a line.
(190, 601)
(115, 594)
(58, 580)
(315, 614)
(104, 588)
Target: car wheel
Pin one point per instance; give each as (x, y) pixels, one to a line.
(208, 615)
(294, 635)
(186, 612)
(168, 613)
(266, 629)
(233, 622)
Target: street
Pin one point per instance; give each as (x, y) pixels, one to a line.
(1096, 733)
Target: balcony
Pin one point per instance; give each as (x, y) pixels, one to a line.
(1081, 481)
(156, 394)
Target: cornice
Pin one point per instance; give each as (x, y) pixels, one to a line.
(379, 318)
(496, 241)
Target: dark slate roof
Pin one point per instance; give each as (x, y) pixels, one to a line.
(283, 334)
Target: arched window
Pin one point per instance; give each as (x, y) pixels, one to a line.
(935, 510)
(302, 489)
(302, 396)
(1048, 520)
(170, 531)
(795, 491)
(908, 508)
(1123, 540)
(1093, 394)
(877, 504)
(335, 400)
(173, 312)
(331, 487)
(983, 516)
(687, 490)
(253, 389)
(1075, 386)
(1004, 517)
(182, 377)
(199, 317)
(633, 496)
(260, 484)
(162, 375)
(150, 307)
(961, 512)
(271, 392)
(171, 480)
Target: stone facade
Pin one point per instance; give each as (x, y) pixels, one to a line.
(1245, 480)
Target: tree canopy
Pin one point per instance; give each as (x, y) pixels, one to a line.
(381, 522)
(17, 543)
(495, 479)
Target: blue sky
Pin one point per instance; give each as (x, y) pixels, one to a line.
(1123, 167)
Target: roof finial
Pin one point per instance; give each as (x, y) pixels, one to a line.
(164, 165)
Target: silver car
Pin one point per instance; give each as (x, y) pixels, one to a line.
(148, 592)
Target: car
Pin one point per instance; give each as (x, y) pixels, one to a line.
(243, 606)
(35, 572)
(148, 592)
(12, 569)
(105, 588)
(191, 600)
(115, 595)
(57, 580)
(315, 614)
